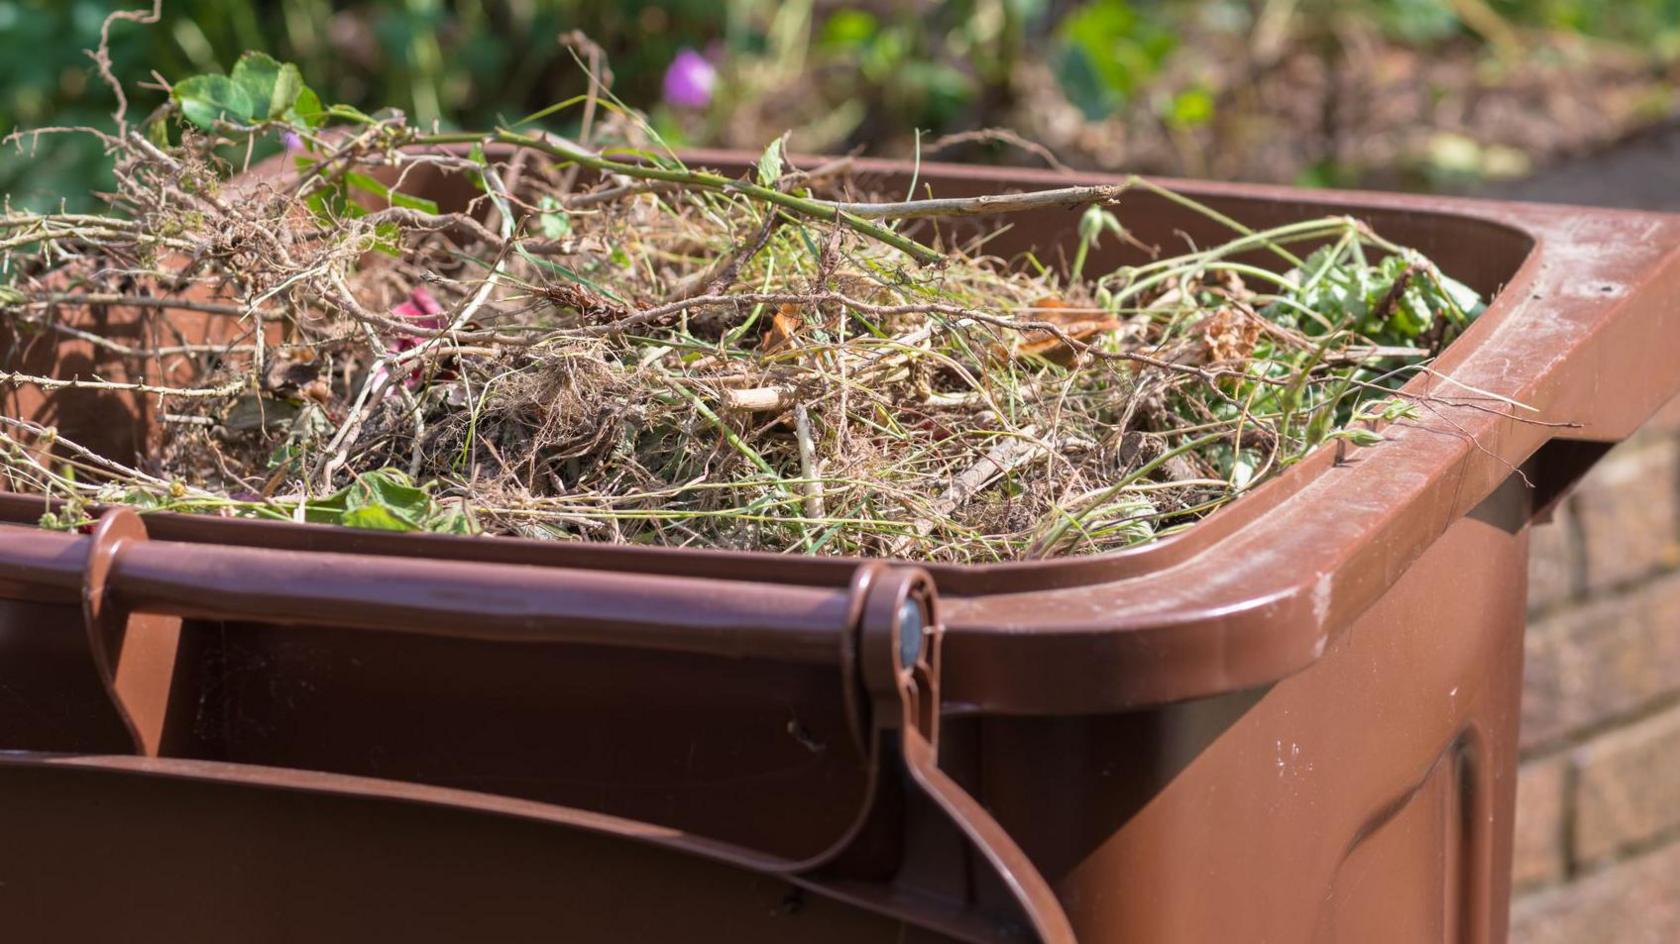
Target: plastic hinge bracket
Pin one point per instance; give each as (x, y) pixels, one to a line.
(900, 676)
(134, 653)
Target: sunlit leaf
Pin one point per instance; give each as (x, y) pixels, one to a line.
(272, 86)
(770, 164)
(376, 518)
(307, 109)
(205, 99)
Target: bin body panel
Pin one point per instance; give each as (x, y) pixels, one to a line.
(742, 750)
(50, 698)
(101, 856)
(1366, 798)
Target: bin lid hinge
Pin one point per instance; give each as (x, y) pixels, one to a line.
(134, 653)
(897, 649)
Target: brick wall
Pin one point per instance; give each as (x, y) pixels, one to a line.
(1598, 794)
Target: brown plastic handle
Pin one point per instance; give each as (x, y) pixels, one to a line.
(135, 592)
(459, 599)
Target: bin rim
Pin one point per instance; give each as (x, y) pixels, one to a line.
(1253, 593)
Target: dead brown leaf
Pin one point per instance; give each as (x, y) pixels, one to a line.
(784, 327)
(1077, 324)
(1229, 334)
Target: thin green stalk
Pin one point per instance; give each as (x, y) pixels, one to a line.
(814, 209)
(1208, 212)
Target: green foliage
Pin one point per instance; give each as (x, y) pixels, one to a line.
(1416, 21)
(207, 99)
(454, 61)
(272, 86)
(1353, 295)
(925, 67)
(1614, 19)
(366, 184)
(378, 500)
(1190, 108)
(1399, 300)
(879, 73)
(388, 500)
(553, 221)
(259, 89)
(1108, 50)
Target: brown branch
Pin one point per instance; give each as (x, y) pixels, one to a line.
(1066, 198)
(102, 56)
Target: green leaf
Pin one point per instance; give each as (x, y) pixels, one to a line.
(1190, 108)
(567, 273)
(203, 99)
(306, 110)
(158, 133)
(329, 510)
(1390, 410)
(332, 203)
(475, 154)
(849, 28)
(376, 518)
(368, 184)
(272, 86)
(395, 491)
(1357, 436)
(412, 202)
(349, 113)
(553, 221)
(453, 519)
(321, 204)
(770, 163)
(1412, 316)
(1466, 299)
(387, 238)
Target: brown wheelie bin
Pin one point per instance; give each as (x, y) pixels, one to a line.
(1293, 722)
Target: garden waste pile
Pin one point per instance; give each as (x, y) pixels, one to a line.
(604, 343)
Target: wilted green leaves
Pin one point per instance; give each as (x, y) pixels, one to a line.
(1395, 301)
(388, 500)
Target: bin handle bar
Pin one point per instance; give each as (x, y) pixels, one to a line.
(882, 632)
(455, 599)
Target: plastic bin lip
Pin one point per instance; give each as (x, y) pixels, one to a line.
(1252, 594)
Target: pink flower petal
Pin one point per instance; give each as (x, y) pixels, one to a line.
(689, 80)
(421, 307)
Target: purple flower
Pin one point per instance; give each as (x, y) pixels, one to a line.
(689, 80)
(292, 141)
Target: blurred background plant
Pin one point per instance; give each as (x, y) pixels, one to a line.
(1409, 93)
